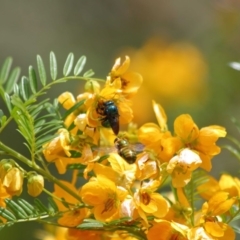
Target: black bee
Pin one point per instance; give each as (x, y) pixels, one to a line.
(125, 151)
(110, 114)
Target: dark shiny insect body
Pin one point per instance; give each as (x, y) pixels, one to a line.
(110, 114)
(125, 151)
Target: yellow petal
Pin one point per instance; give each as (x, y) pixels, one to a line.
(185, 128)
(160, 115)
(214, 229)
(67, 100)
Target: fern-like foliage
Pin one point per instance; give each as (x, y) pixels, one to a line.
(37, 121)
(20, 210)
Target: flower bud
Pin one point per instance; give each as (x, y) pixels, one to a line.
(13, 181)
(5, 166)
(35, 185)
(92, 86)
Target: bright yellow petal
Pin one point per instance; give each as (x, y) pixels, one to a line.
(228, 184)
(160, 115)
(67, 100)
(185, 128)
(214, 229)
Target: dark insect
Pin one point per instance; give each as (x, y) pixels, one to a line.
(110, 118)
(125, 151)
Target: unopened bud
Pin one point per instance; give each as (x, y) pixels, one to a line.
(92, 86)
(35, 185)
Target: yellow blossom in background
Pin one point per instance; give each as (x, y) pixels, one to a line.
(173, 73)
(179, 69)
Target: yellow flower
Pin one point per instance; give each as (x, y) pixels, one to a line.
(182, 166)
(157, 137)
(226, 183)
(81, 123)
(203, 140)
(104, 196)
(73, 215)
(120, 172)
(58, 151)
(217, 205)
(127, 82)
(13, 181)
(76, 234)
(162, 230)
(147, 201)
(146, 167)
(162, 143)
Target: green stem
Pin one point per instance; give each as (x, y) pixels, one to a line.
(38, 169)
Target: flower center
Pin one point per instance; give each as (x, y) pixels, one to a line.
(108, 205)
(145, 198)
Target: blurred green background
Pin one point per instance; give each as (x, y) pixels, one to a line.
(182, 49)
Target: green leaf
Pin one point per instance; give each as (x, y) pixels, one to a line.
(32, 79)
(80, 65)
(24, 88)
(1, 113)
(8, 102)
(76, 166)
(68, 64)
(12, 79)
(17, 209)
(3, 120)
(40, 206)
(88, 73)
(5, 70)
(52, 204)
(28, 208)
(90, 224)
(53, 66)
(41, 70)
(7, 214)
(16, 89)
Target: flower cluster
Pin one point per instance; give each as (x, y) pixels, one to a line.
(141, 191)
